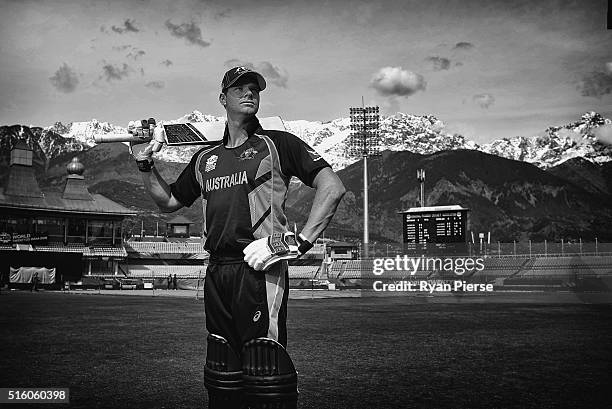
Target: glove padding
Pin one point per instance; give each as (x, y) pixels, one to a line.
(153, 135)
(264, 252)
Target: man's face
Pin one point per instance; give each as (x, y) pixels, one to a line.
(242, 98)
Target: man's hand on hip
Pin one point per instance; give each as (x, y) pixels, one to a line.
(264, 252)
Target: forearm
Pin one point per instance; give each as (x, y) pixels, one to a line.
(159, 191)
(326, 201)
(154, 184)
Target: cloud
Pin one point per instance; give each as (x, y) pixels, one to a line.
(595, 84)
(463, 45)
(234, 62)
(609, 67)
(65, 79)
(128, 26)
(223, 14)
(188, 31)
(273, 74)
(111, 72)
(135, 54)
(394, 81)
(390, 106)
(566, 133)
(603, 133)
(155, 85)
(439, 63)
(167, 63)
(484, 100)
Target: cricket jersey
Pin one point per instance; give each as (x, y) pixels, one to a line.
(244, 189)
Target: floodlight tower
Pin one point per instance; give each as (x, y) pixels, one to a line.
(365, 122)
(421, 179)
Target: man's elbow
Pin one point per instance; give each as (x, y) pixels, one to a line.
(329, 183)
(165, 209)
(337, 191)
(169, 207)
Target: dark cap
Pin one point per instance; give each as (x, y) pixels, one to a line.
(235, 73)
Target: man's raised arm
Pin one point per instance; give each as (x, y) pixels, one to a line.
(160, 192)
(155, 185)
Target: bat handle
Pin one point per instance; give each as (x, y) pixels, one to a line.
(156, 146)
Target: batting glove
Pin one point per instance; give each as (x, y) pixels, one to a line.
(264, 252)
(153, 138)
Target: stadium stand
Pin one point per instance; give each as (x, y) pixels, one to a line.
(157, 270)
(355, 269)
(148, 270)
(164, 247)
(158, 259)
(303, 272)
(88, 251)
(570, 267)
(336, 269)
(502, 267)
(60, 248)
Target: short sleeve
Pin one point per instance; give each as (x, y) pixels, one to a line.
(186, 189)
(297, 158)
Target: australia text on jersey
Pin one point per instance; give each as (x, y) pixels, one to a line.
(224, 182)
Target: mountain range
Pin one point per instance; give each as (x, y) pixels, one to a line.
(511, 199)
(546, 186)
(401, 132)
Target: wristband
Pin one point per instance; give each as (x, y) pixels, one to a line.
(144, 165)
(303, 244)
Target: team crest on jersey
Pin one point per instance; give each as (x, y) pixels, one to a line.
(211, 163)
(248, 154)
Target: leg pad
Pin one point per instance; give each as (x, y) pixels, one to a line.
(270, 379)
(223, 375)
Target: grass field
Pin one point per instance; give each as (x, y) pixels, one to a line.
(145, 352)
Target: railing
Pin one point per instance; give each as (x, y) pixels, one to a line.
(494, 249)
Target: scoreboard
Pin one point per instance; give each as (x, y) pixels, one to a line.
(435, 224)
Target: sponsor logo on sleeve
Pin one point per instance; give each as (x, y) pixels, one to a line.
(211, 163)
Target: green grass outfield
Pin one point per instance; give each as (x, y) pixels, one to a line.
(511, 351)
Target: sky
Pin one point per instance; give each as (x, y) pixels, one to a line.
(487, 69)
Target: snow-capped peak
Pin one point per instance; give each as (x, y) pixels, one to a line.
(84, 132)
(400, 132)
(197, 116)
(557, 144)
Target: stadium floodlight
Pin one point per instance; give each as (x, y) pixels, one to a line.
(421, 179)
(364, 141)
